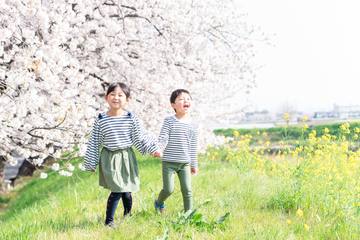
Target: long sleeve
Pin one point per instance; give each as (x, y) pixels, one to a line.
(179, 140)
(92, 154)
(143, 141)
(164, 134)
(194, 148)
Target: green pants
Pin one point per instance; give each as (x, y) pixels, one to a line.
(184, 174)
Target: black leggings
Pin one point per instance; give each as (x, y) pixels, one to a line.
(112, 204)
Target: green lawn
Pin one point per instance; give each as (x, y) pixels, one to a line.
(74, 207)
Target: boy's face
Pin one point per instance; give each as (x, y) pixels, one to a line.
(182, 104)
(116, 99)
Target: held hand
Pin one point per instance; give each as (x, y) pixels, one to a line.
(157, 154)
(194, 171)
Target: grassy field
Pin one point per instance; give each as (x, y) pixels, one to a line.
(73, 208)
(311, 192)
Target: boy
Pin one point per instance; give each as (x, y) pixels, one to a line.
(178, 141)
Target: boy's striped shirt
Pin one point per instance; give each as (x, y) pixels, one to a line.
(114, 133)
(179, 140)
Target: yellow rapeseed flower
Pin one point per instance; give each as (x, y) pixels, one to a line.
(307, 228)
(236, 133)
(288, 221)
(286, 117)
(299, 213)
(305, 118)
(345, 128)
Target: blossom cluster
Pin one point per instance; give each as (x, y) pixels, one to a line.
(58, 57)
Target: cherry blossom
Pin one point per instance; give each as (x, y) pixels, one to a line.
(58, 57)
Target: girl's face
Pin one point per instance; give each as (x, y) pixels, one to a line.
(182, 104)
(116, 99)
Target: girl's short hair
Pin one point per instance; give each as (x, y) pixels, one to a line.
(121, 85)
(176, 93)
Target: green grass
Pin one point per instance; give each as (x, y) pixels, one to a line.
(287, 133)
(74, 207)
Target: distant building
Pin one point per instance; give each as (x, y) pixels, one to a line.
(258, 116)
(339, 112)
(325, 115)
(347, 112)
(266, 119)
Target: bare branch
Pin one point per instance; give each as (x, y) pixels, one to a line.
(135, 15)
(46, 128)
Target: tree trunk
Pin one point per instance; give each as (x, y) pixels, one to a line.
(2, 166)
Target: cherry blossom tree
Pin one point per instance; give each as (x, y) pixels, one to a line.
(58, 56)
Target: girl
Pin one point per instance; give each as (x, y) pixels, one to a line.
(113, 134)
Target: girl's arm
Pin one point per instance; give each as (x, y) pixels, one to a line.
(92, 154)
(144, 142)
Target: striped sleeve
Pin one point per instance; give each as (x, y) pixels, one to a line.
(194, 148)
(164, 134)
(143, 141)
(92, 154)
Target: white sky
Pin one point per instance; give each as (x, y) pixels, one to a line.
(315, 60)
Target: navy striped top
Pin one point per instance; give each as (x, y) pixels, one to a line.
(114, 133)
(178, 139)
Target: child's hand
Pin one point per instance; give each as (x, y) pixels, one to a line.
(194, 171)
(157, 154)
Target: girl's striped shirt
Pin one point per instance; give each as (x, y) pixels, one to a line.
(114, 133)
(178, 139)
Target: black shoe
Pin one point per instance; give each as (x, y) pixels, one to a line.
(110, 224)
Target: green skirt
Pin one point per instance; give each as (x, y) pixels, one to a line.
(118, 170)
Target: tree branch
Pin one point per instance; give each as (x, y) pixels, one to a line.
(45, 128)
(135, 15)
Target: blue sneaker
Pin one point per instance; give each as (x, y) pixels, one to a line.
(159, 207)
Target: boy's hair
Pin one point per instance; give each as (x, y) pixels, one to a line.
(176, 93)
(121, 85)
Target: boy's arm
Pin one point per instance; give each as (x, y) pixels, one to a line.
(164, 134)
(193, 151)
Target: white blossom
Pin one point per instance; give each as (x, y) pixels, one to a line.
(56, 58)
(11, 160)
(70, 167)
(82, 149)
(57, 154)
(55, 166)
(38, 161)
(51, 150)
(65, 173)
(81, 167)
(43, 175)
